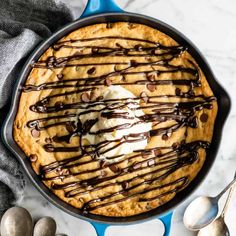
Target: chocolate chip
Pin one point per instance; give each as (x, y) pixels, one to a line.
(58, 169)
(35, 133)
(148, 59)
(108, 82)
(165, 137)
(151, 77)
(137, 166)
(91, 70)
(151, 87)
(177, 91)
(153, 52)
(118, 45)
(71, 126)
(48, 140)
(148, 206)
(125, 194)
(56, 139)
(138, 47)
(51, 61)
(123, 78)
(157, 152)
(191, 93)
(208, 106)
(95, 50)
(198, 108)
(175, 145)
(133, 63)
(144, 97)
(59, 105)
(33, 157)
(103, 173)
(125, 185)
(100, 98)
(114, 168)
(103, 163)
(60, 76)
(109, 25)
(131, 25)
(186, 95)
(85, 97)
(204, 117)
(145, 155)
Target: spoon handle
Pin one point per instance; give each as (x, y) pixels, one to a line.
(226, 189)
(228, 200)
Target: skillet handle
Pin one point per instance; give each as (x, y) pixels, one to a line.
(100, 6)
(166, 220)
(99, 228)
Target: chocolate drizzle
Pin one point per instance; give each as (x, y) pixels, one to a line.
(156, 164)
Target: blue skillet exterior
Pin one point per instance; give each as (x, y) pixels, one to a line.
(98, 11)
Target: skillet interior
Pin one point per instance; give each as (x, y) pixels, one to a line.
(219, 92)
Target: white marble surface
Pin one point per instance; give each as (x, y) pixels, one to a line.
(211, 25)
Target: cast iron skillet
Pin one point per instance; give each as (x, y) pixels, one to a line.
(99, 11)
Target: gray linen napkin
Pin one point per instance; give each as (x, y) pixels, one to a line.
(23, 24)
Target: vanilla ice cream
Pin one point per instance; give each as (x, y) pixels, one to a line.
(118, 120)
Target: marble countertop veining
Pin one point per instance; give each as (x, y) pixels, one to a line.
(211, 25)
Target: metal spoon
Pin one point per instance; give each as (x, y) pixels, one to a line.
(203, 210)
(218, 227)
(16, 221)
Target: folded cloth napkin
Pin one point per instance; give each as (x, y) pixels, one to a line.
(23, 24)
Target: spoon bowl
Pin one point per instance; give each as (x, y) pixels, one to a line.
(203, 210)
(200, 212)
(216, 228)
(16, 221)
